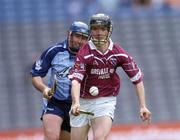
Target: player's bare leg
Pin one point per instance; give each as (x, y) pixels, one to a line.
(101, 127)
(51, 125)
(80, 133)
(65, 135)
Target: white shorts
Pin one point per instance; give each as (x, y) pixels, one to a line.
(102, 106)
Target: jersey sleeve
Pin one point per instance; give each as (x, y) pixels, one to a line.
(42, 65)
(131, 68)
(79, 68)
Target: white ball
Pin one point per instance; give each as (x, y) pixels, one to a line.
(94, 91)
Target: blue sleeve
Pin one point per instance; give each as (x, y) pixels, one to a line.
(41, 66)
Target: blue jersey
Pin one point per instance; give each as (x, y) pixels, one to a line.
(58, 61)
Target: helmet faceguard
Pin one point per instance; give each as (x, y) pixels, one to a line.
(101, 20)
(79, 28)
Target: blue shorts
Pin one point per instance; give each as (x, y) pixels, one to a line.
(59, 108)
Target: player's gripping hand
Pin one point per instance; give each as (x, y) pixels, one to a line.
(47, 93)
(145, 115)
(75, 109)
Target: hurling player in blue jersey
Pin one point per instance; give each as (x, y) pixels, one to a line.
(57, 61)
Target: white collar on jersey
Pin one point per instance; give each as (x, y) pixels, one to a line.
(93, 47)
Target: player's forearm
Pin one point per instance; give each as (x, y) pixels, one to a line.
(141, 94)
(38, 83)
(75, 92)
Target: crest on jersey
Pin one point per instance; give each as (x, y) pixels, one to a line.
(38, 65)
(95, 62)
(113, 61)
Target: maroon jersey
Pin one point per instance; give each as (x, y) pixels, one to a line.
(93, 68)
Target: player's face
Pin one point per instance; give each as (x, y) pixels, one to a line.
(99, 32)
(77, 40)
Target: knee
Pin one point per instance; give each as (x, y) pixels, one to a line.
(51, 135)
(99, 136)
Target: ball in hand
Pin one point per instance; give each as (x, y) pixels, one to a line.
(94, 91)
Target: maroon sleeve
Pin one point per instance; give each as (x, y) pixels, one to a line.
(79, 68)
(130, 67)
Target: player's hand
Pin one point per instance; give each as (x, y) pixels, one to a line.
(47, 93)
(75, 109)
(145, 115)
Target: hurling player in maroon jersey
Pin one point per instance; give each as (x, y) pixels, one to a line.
(95, 83)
